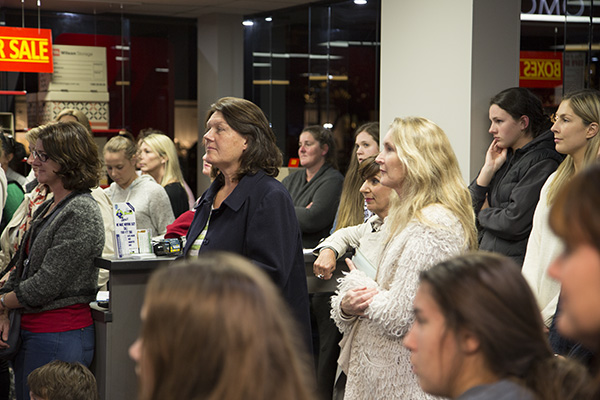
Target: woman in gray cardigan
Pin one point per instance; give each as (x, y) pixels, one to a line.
(55, 277)
(316, 189)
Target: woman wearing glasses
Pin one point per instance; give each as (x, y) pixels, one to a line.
(517, 163)
(576, 135)
(55, 278)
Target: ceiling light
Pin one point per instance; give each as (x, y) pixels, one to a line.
(269, 19)
(360, 2)
(248, 23)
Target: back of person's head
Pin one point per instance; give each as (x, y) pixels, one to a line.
(325, 138)
(76, 115)
(60, 380)
(71, 146)
(248, 120)
(431, 176)
(165, 148)
(586, 105)
(124, 143)
(217, 328)
(517, 102)
(486, 295)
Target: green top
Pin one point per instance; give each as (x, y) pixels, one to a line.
(14, 198)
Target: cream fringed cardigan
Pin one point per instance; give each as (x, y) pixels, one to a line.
(379, 366)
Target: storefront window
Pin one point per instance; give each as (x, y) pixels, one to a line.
(315, 65)
(559, 51)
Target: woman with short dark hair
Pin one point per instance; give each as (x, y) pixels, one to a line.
(316, 189)
(246, 210)
(55, 278)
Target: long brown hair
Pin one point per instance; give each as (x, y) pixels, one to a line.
(486, 294)
(247, 119)
(351, 211)
(217, 328)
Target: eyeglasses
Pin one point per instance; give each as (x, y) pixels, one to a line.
(38, 154)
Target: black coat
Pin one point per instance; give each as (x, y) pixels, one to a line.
(513, 194)
(257, 220)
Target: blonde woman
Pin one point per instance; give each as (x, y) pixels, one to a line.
(150, 200)
(576, 135)
(158, 158)
(431, 221)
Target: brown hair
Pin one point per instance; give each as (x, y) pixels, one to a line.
(60, 380)
(248, 120)
(78, 115)
(486, 294)
(325, 137)
(575, 216)
(352, 203)
(368, 168)
(217, 328)
(71, 146)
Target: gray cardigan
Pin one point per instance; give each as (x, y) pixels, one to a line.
(324, 191)
(61, 256)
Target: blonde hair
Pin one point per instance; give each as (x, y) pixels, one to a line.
(33, 134)
(78, 115)
(165, 148)
(586, 105)
(431, 176)
(124, 143)
(217, 328)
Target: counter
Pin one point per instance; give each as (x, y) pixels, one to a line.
(118, 326)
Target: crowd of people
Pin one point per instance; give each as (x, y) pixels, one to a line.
(460, 291)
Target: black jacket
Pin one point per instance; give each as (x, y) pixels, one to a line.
(257, 220)
(512, 195)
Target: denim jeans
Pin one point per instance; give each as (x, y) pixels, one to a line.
(39, 349)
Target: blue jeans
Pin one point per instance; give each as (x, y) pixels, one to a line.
(39, 349)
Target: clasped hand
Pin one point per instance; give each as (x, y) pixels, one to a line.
(356, 301)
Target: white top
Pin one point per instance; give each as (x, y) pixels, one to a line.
(378, 365)
(368, 238)
(150, 200)
(542, 249)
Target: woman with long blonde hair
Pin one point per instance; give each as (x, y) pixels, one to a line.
(158, 158)
(431, 220)
(576, 135)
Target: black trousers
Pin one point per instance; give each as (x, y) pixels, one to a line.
(326, 338)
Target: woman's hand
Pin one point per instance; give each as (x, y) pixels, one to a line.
(356, 301)
(324, 265)
(4, 327)
(495, 157)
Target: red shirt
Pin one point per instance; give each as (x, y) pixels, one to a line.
(64, 319)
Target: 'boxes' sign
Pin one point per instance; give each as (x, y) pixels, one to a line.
(540, 69)
(26, 50)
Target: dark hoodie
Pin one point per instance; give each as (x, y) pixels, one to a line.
(512, 195)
